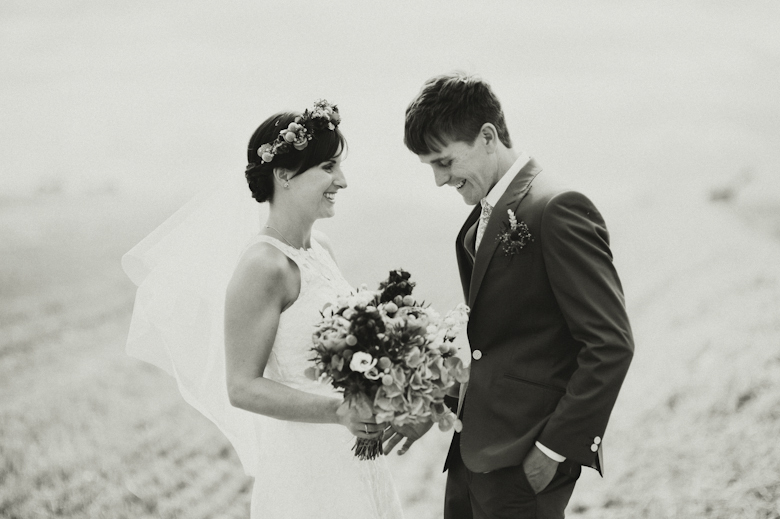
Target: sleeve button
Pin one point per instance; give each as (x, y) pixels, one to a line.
(476, 354)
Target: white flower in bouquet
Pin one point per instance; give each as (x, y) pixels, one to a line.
(361, 362)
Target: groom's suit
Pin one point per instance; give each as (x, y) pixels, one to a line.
(548, 331)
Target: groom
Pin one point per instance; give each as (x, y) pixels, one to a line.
(549, 335)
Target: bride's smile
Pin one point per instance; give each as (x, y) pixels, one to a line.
(311, 195)
(325, 180)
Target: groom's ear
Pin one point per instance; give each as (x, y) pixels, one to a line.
(488, 137)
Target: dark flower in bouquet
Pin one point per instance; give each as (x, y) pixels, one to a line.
(397, 284)
(391, 356)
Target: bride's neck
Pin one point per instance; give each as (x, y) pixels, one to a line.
(291, 228)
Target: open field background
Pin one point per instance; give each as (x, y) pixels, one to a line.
(667, 115)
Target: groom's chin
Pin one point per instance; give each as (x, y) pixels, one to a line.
(468, 195)
(467, 199)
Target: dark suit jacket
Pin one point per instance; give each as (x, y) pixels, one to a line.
(551, 327)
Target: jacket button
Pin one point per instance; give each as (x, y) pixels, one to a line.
(476, 354)
(597, 440)
(594, 447)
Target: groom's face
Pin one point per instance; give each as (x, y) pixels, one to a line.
(463, 166)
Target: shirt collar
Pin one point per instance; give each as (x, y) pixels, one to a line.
(495, 194)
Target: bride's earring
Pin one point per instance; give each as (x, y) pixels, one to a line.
(281, 174)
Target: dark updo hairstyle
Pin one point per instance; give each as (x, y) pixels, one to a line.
(325, 145)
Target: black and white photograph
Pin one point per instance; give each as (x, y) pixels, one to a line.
(389, 260)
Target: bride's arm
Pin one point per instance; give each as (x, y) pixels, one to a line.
(264, 283)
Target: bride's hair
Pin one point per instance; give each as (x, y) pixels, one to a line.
(324, 145)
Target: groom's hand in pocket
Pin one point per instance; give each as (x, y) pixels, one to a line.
(411, 433)
(539, 469)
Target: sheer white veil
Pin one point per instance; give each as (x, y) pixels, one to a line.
(182, 270)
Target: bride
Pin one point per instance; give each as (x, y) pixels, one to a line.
(287, 429)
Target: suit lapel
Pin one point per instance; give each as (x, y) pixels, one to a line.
(514, 194)
(464, 255)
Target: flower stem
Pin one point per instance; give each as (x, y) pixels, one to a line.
(368, 449)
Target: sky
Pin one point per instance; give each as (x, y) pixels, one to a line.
(161, 96)
(156, 100)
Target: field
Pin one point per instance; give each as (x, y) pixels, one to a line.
(666, 114)
(88, 432)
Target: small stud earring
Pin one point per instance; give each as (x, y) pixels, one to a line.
(286, 184)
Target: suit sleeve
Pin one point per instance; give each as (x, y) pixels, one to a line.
(575, 246)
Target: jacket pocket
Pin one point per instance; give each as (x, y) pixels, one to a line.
(534, 383)
(523, 403)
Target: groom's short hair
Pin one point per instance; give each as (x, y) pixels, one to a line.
(451, 108)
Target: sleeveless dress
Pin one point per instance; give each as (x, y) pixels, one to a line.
(308, 470)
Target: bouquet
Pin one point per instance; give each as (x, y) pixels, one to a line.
(390, 356)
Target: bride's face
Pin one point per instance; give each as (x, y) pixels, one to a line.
(315, 189)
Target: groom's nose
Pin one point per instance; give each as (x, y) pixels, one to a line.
(441, 177)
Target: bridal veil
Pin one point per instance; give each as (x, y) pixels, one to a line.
(182, 270)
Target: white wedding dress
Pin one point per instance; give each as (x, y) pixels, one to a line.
(182, 270)
(304, 470)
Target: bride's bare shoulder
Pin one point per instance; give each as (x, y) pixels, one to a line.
(263, 268)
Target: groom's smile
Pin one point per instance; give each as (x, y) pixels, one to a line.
(466, 167)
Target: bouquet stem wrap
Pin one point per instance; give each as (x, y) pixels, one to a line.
(366, 449)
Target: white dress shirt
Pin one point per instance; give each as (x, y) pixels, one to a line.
(497, 191)
(492, 198)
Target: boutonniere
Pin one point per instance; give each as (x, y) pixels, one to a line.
(515, 235)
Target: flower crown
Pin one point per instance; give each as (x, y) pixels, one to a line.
(299, 132)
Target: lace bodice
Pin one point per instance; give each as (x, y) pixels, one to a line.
(313, 458)
(321, 283)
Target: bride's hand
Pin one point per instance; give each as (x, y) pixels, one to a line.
(368, 429)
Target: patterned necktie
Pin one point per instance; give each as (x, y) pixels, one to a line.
(483, 221)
